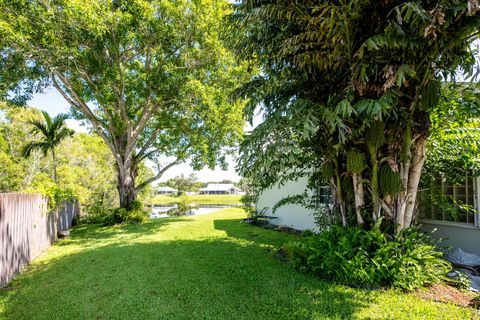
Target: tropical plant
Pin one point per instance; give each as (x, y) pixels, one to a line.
(355, 256)
(85, 165)
(51, 133)
(350, 76)
(17, 172)
(153, 78)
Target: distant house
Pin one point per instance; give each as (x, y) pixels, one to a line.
(167, 191)
(220, 188)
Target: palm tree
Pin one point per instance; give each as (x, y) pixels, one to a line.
(52, 132)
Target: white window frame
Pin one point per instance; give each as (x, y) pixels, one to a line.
(476, 215)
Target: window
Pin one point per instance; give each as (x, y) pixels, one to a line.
(322, 196)
(446, 201)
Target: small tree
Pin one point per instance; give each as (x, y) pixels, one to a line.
(51, 133)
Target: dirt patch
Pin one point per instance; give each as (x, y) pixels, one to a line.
(446, 293)
(265, 223)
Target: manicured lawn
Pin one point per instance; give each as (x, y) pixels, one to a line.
(203, 267)
(198, 199)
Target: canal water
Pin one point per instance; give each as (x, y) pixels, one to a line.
(161, 211)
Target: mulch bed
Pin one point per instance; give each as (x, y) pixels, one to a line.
(449, 294)
(264, 223)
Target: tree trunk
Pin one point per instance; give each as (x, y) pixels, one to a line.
(54, 166)
(416, 166)
(126, 187)
(404, 175)
(411, 171)
(374, 182)
(32, 170)
(359, 197)
(341, 203)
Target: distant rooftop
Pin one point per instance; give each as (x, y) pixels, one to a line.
(219, 187)
(166, 189)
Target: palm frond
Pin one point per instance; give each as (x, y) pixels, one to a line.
(39, 127)
(32, 146)
(51, 131)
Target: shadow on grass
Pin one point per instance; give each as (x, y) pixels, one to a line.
(88, 234)
(235, 229)
(208, 279)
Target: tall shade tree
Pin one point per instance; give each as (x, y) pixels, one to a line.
(152, 77)
(346, 89)
(51, 132)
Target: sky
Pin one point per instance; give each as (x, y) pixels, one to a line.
(52, 102)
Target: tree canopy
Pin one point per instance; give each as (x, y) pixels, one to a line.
(346, 90)
(152, 77)
(183, 183)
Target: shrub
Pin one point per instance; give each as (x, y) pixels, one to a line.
(408, 261)
(134, 214)
(183, 207)
(54, 194)
(96, 212)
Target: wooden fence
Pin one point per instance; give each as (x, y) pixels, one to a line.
(27, 229)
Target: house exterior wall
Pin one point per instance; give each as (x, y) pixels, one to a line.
(167, 192)
(230, 191)
(455, 234)
(214, 192)
(293, 216)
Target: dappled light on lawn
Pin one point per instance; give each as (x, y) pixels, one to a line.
(198, 267)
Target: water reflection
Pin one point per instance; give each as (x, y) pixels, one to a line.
(162, 211)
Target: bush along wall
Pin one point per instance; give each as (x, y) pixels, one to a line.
(353, 256)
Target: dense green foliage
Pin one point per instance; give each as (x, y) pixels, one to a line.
(153, 78)
(85, 166)
(16, 172)
(453, 149)
(338, 76)
(134, 214)
(355, 256)
(453, 152)
(199, 267)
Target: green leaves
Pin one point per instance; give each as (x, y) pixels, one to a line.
(52, 132)
(345, 67)
(453, 148)
(154, 78)
(356, 256)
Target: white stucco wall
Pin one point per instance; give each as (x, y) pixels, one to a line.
(455, 235)
(293, 216)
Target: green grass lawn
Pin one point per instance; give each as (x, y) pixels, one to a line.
(198, 199)
(203, 267)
